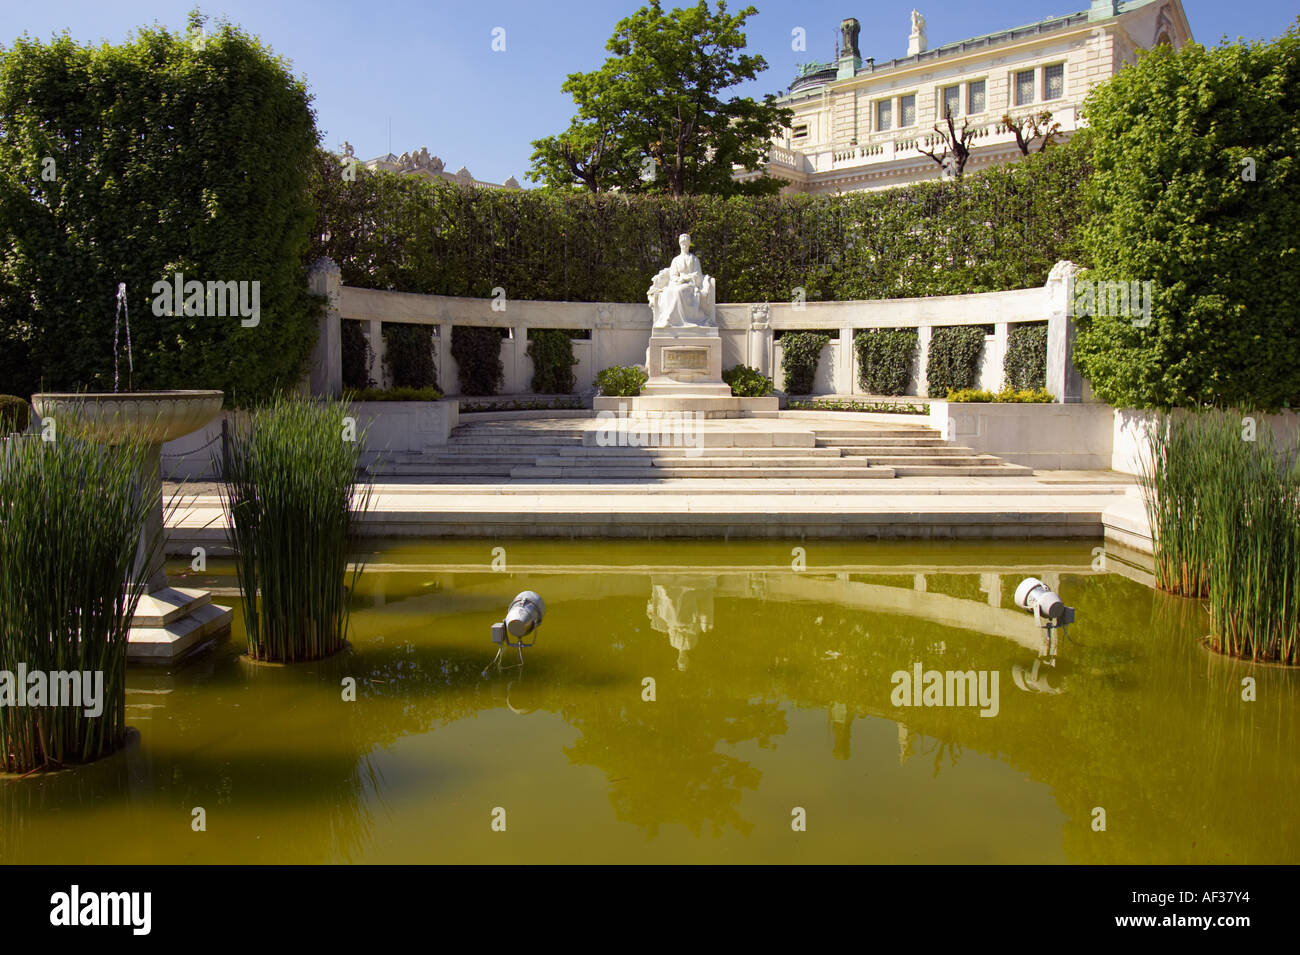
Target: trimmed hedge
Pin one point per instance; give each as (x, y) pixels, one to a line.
(954, 362)
(800, 354)
(885, 359)
(621, 381)
(408, 355)
(551, 350)
(165, 156)
(477, 350)
(15, 413)
(1025, 366)
(1001, 228)
(1005, 396)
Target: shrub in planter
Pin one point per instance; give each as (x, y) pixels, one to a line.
(408, 355)
(1007, 395)
(622, 381)
(746, 382)
(885, 358)
(954, 358)
(1025, 366)
(800, 353)
(477, 351)
(394, 394)
(14, 414)
(551, 350)
(356, 355)
(288, 486)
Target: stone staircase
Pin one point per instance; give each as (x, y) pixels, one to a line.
(567, 449)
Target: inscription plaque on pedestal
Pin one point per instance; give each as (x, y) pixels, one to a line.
(686, 359)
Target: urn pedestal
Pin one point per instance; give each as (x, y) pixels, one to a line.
(685, 362)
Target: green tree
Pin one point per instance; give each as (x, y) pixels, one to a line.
(171, 152)
(657, 104)
(1197, 190)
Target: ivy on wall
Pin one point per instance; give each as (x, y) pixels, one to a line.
(885, 359)
(1002, 228)
(1025, 367)
(356, 355)
(408, 355)
(800, 354)
(477, 350)
(954, 359)
(551, 350)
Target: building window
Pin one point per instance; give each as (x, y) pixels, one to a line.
(801, 132)
(1054, 81)
(950, 102)
(884, 115)
(1024, 87)
(907, 110)
(975, 96)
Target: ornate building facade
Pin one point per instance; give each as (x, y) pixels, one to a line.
(859, 124)
(431, 167)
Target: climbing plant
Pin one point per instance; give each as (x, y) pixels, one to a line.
(800, 353)
(1025, 366)
(477, 350)
(954, 359)
(885, 358)
(551, 350)
(408, 355)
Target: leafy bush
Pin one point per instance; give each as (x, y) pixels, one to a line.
(746, 382)
(357, 355)
(288, 489)
(394, 394)
(168, 157)
(408, 355)
(1025, 365)
(15, 413)
(1197, 190)
(885, 359)
(622, 381)
(954, 358)
(477, 350)
(514, 404)
(551, 350)
(800, 354)
(1007, 395)
(1001, 228)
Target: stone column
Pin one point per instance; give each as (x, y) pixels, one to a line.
(377, 353)
(1001, 340)
(760, 344)
(845, 381)
(1063, 379)
(326, 375)
(441, 342)
(522, 380)
(601, 334)
(923, 360)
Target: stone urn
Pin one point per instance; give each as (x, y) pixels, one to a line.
(169, 621)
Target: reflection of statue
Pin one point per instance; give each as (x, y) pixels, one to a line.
(682, 609)
(849, 31)
(682, 295)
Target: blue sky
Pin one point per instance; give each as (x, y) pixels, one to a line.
(428, 69)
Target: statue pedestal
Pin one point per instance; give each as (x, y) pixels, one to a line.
(685, 361)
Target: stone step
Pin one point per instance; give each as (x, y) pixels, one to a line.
(876, 452)
(717, 439)
(420, 469)
(533, 472)
(836, 438)
(1001, 469)
(934, 460)
(687, 461)
(882, 442)
(502, 441)
(585, 451)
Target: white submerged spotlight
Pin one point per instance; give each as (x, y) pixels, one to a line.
(1048, 609)
(523, 617)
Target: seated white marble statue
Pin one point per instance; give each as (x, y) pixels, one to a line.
(682, 295)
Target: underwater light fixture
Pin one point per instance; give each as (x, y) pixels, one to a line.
(523, 617)
(1048, 609)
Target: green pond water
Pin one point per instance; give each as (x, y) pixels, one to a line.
(772, 695)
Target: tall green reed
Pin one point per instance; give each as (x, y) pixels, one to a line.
(289, 485)
(71, 516)
(1224, 505)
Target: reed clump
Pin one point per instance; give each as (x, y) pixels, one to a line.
(1223, 498)
(71, 518)
(289, 486)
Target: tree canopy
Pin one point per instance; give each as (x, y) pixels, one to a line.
(653, 117)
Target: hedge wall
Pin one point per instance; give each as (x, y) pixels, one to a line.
(1025, 365)
(408, 355)
(164, 156)
(954, 362)
(885, 359)
(1003, 228)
